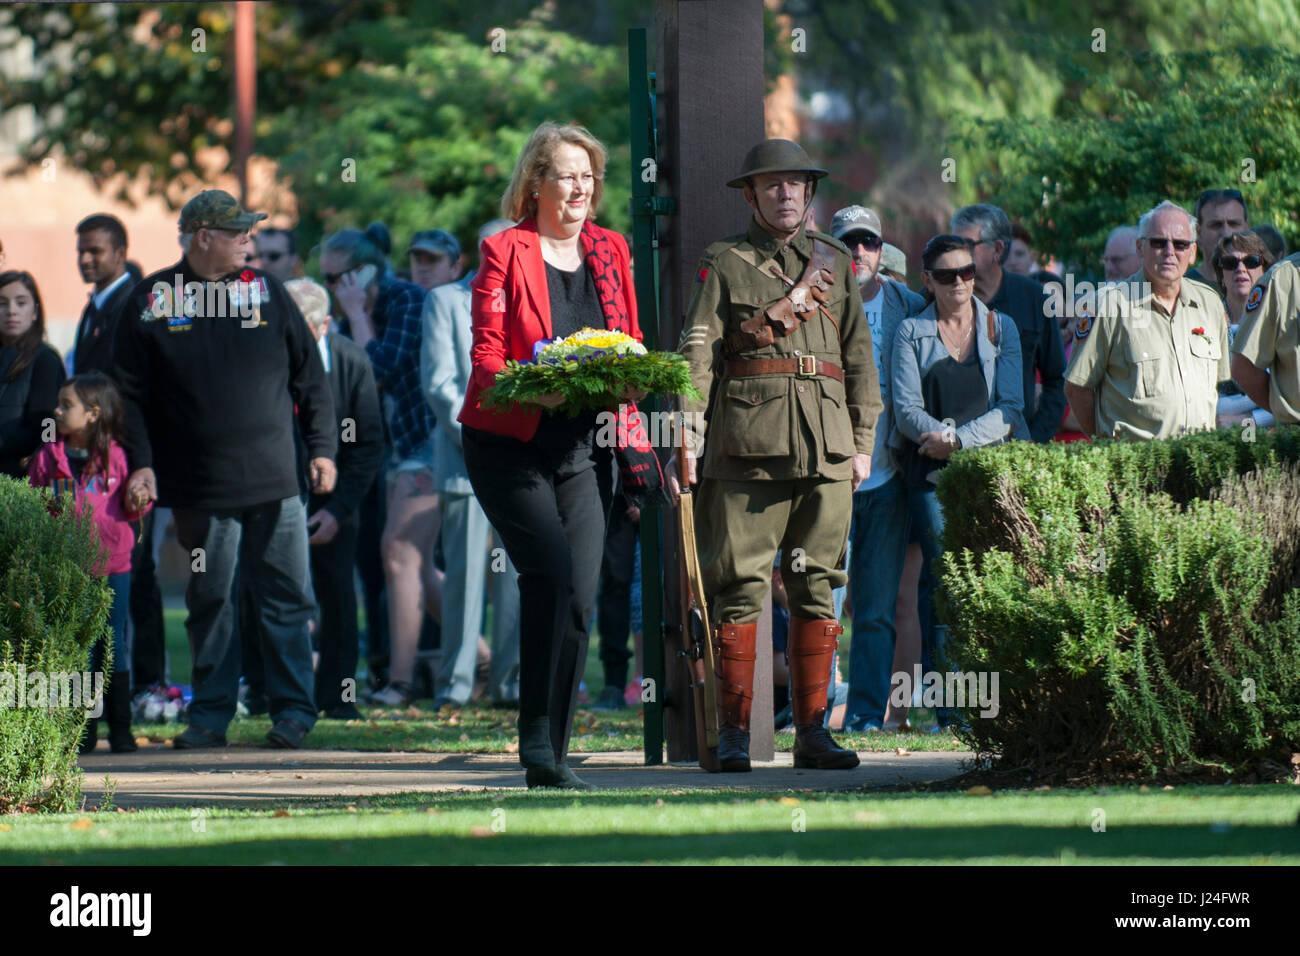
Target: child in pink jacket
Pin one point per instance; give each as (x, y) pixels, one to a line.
(87, 462)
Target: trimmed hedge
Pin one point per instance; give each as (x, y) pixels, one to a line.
(1140, 602)
(51, 611)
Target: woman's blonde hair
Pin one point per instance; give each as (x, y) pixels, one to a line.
(536, 160)
(311, 298)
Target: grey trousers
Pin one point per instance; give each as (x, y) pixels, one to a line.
(465, 531)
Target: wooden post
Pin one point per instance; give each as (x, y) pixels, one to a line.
(709, 68)
(245, 91)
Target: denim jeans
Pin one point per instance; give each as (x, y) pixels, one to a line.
(927, 517)
(878, 545)
(120, 585)
(268, 543)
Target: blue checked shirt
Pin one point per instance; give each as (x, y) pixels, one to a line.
(395, 355)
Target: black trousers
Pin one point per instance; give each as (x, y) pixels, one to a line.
(548, 499)
(331, 574)
(614, 606)
(372, 513)
(149, 648)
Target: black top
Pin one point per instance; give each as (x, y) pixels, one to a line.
(574, 303)
(25, 404)
(77, 460)
(953, 391)
(209, 398)
(93, 350)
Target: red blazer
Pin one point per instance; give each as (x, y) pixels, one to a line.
(512, 311)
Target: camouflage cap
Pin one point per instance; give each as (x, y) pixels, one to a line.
(217, 209)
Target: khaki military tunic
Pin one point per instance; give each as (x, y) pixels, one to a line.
(1156, 375)
(778, 449)
(1269, 335)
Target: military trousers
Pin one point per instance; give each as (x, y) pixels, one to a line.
(740, 526)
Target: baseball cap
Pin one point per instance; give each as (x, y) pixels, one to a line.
(437, 241)
(217, 209)
(893, 259)
(855, 219)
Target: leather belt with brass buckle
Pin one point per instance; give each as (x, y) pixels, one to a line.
(804, 366)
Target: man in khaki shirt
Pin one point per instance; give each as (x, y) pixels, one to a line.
(1266, 359)
(1148, 365)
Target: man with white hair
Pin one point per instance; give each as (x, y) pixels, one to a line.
(1121, 258)
(333, 520)
(1149, 364)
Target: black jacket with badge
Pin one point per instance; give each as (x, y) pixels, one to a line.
(779, 426)
(209, 394)
(97, 331)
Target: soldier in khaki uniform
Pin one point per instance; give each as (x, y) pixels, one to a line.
(776, 338)
(1148, 365)
(1266, 352)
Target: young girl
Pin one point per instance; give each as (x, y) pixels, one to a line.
(87, 461)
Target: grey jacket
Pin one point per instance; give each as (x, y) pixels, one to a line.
(444, 372)
(899, 302)
(917, 347)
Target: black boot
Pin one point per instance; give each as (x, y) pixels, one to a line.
(117, 703)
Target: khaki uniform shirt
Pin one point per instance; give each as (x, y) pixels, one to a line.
(1156, 375)
(778, 427)
(1269, 335)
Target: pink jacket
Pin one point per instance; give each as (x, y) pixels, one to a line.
(107, 499)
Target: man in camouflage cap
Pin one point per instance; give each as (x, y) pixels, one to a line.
(217, 209)
(775, 336)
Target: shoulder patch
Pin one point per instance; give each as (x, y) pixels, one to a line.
(1083, 327)
(1256, 296)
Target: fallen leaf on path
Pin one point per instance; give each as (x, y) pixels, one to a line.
(979, 791)
(281, 813)
(5, 827)
(85, 823)
(788, 802)
(480, 831)
(902, 751)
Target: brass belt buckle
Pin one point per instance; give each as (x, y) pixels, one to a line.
(807, 366)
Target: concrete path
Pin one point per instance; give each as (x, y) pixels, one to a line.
(252, 777)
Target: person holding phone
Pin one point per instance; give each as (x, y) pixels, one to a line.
(385, 317)
(543, 480)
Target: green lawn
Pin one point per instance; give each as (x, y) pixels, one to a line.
(1192, 825)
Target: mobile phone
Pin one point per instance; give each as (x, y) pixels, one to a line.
(366, 274)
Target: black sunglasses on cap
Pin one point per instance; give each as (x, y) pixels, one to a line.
(1229, 263)
(855, 239)
(950, 276)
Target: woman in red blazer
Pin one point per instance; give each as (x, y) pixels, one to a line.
(541, 477)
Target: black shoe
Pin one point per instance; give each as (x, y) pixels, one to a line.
(733, 749)
(257, 705)
(611, 698)
(287, 734)
(197, 738)
(558, 777)
(89, 737)
(343, 711)
(816, 749)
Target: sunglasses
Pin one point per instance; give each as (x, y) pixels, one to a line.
(273, 256)
(870, 242)
(1160, 243)
(1229, 263)
(950, 276)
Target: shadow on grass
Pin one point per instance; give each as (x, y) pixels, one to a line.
(939, 845)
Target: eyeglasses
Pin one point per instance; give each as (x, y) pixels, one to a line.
(332, 277)
(1160, 243)
(865, 239)
(1229, 263)
(569, 181)
(272, 256)
(950, 276)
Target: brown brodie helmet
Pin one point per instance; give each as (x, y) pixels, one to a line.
(778, 156)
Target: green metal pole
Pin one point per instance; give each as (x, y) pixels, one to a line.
(645, 206)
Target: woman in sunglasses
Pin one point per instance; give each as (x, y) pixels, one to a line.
(1239, 261)
(957, 383)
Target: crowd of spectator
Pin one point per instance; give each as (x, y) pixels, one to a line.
(338, 453)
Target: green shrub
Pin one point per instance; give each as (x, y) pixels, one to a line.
(51, 611)
(1140, 602)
